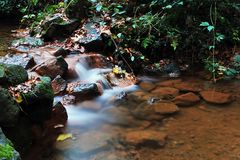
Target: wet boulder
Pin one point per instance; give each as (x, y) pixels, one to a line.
(20, 134)
(53, 67)
(55, 27)
(12, 74)
(37, 98)
(7, 152)
(92, 40)
(78, 9)
(58, 116)
(166, 68)
(9, 109)
(216, 97)
(84, 91)
(24, 60)
(187, 99)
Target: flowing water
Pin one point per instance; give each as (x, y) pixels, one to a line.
(201, 132)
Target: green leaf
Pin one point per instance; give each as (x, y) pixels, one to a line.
(120, 35)
(210, 28)
(142, 57)
(211, 47)
(180, 3)
(219, 37)
(99, 7)
(132, 58)
(168, 7)
(174, 44)
(204, 24)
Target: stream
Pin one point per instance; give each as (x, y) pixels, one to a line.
(98, 128)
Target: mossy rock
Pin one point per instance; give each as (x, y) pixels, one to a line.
(12, 74)
(37, 104)
(9, 109)
(7, 152)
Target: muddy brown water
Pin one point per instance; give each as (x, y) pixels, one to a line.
(200, 132)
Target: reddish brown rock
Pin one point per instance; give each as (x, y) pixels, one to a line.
(147, 138)
(187, 87)
(53, 68)
(166, 92)
(147, 86)
(216, 97)
(187, 99)
(94, 60)
(59, 85)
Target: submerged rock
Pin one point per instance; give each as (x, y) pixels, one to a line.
(156, 111)
(216, 97)
(169, 83)
(12, 74)
(187, 99)
(7, 152)
(9, 109)
(53, 67)
(148, 138)
(166, 92)
(165, 108)
(187, 87)
(147, 86)
(24, 60)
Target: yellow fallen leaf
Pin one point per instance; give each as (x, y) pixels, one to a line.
(18, 98)
(115, 70)
(63, 137)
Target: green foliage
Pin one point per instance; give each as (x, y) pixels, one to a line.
(6, 152)
(33, 19)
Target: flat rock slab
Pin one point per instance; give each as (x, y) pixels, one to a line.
(24, 60)
(166, 91)
(187, 99)
(216, 97)
(147, 138)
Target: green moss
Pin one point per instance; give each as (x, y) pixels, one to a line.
(42, 89)
(6, 152)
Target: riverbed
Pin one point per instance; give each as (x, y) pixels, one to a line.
(98, 128)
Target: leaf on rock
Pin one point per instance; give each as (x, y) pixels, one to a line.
(63, 137)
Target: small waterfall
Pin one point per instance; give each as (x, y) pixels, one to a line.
(92, 75)
(79, 116)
